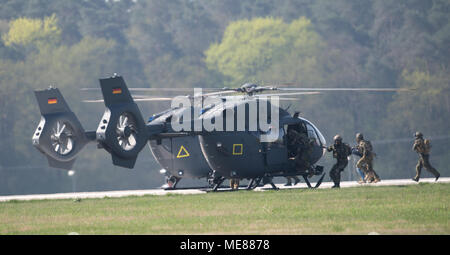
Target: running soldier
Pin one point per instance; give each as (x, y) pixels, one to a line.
(366, 161)
(340, 152)
(362, 177)
(423, 147)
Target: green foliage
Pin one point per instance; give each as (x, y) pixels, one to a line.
(26, 32)
(420, 109)
(250, 47)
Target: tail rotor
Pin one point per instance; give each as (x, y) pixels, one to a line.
(62, 138)
(59, 134)
(122, 130)
(126, 132)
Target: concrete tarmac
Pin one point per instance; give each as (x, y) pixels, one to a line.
(126, 193)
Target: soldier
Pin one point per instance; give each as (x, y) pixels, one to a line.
(340, 152)
(362, 177)
(292, 137)
(423, 147)
(366, 161)
(289, 181)
(234, 183)
(300, 142)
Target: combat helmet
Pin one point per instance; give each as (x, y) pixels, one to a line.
(418, 135)
(337, 138)
(359, 136)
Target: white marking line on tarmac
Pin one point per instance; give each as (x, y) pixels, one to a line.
(126, 193)
(100, 194)
(350, 184)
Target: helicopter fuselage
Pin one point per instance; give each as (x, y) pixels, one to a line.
(232, 154)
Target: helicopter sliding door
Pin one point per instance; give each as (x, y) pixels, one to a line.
(180, 156)
(188, 159)
(276, 152)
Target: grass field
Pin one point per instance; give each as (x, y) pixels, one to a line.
(413, 209)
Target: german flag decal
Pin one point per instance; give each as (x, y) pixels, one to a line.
(52, 101)
(117, 91)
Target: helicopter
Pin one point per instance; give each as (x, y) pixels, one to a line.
(241, 152)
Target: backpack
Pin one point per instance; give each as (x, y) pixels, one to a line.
(427, 146)
(368, 146)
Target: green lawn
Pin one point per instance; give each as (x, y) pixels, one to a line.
(413, 209)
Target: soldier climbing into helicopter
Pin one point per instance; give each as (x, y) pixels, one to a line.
(423, 147)
(340, 152)
(299, 147)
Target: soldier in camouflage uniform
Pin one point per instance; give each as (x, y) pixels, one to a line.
(423, 147)
(362, 177)
(340, 152)
(300, 142)
(366, 161)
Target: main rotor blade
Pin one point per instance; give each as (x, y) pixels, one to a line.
(288, 94)
(346, 89)
(287, 99)
(135, 99)
(158, 89)
(216, 93)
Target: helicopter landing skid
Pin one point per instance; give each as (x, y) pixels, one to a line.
(254, 183)
(171, 183)
(305, 176)
(217, 182)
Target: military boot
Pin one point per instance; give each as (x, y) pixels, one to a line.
(336, 186)
(288, 183)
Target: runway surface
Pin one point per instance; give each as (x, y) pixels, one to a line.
(126, 193)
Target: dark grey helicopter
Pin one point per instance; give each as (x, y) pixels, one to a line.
(191, 152)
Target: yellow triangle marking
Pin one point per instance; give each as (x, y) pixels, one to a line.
(183, 153)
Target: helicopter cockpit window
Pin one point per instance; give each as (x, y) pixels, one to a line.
(312, 135)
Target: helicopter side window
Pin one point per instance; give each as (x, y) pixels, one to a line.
(312, 135)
